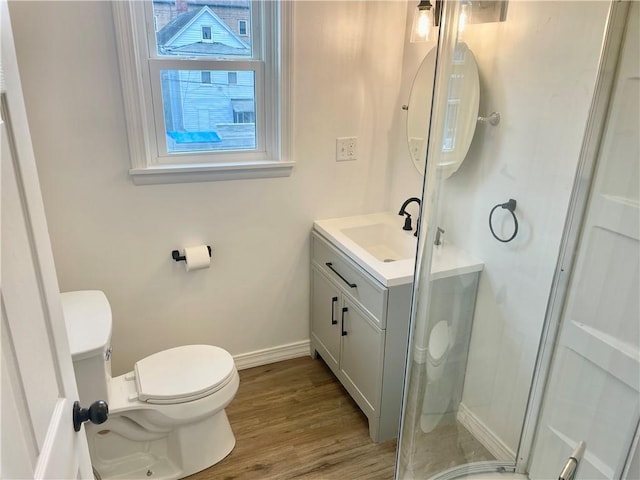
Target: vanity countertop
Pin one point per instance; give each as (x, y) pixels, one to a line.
(368, 239)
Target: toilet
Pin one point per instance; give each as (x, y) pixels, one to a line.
(439, 345)
(437, 397)
(166, 417)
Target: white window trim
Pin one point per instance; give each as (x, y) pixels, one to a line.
(147, 167)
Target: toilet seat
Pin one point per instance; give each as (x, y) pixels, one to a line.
(183, 374)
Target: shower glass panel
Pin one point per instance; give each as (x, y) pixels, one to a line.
(593, 391)
(475, 336)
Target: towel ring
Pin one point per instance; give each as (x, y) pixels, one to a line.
(511, 206)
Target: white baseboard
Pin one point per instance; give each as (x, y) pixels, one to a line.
(272, 355)
(484, 435)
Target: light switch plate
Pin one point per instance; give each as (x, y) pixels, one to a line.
(346, 148)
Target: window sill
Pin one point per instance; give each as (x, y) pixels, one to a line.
(209, 172)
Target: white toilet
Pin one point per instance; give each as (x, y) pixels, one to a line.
(166, 417)
(437, 397)
(439, 345)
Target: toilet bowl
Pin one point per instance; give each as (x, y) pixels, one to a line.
(439, 344)
(437, 395)
(166, 417)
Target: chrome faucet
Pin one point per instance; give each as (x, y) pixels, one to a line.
(407, 220)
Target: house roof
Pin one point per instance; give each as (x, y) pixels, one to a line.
(171, 30)
(213, 3)
(203, 48)
(174, 26)
(242, 106)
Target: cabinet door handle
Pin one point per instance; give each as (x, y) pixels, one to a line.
(333, 309)
(330, 265)
(344, 310)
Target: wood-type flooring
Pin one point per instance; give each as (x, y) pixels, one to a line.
(293, 419)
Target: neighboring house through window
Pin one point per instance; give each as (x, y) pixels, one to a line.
(176, 120)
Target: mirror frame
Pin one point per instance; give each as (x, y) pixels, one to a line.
(462, 111)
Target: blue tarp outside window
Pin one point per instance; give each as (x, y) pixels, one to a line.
(195, 137)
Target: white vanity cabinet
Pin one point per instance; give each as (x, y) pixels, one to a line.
(360, 328)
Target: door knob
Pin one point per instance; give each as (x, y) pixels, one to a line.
(97, 413)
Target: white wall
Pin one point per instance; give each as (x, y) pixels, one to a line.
(538, 70)
(111, 235)
(404, 180)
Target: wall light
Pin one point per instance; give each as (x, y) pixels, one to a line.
(426, 16)
(465, 15)
(423, 22)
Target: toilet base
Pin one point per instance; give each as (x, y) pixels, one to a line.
(181, 452)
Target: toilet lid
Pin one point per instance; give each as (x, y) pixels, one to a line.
(183, 374)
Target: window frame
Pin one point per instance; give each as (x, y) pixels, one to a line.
(140, 68)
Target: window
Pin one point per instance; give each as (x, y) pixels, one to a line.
(242, 27)
(206, 34)
(181, 129)
(243, 117)
(243, 111)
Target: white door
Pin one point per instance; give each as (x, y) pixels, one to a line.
(38, 385)
(593, 391)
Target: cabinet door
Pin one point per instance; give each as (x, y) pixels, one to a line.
(325, 317)
(362, 354)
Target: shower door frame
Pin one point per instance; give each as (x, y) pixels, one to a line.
(594, 132)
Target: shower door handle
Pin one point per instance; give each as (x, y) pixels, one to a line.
(569, 470)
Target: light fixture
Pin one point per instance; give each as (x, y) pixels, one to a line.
(465, 15)
(422, 22)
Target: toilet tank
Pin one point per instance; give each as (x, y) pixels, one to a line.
(87, 316)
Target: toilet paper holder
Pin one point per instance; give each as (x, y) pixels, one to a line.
(175, 254)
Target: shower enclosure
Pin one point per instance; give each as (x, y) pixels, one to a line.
(548, 200)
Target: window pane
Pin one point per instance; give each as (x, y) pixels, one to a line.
(205, 117)
(201, 28)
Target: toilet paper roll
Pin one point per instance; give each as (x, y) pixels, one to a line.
(196, 257)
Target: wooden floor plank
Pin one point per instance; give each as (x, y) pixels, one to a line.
(294, 420)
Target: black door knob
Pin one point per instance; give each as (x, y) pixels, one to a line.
(97, 413)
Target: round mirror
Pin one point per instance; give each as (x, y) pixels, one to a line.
(462, 110)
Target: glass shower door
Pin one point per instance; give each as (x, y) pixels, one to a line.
(434, 442)
(474, 340)
(593, 392)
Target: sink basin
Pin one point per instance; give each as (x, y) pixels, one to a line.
(376, 242)
(379, 245)
(386, 242)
